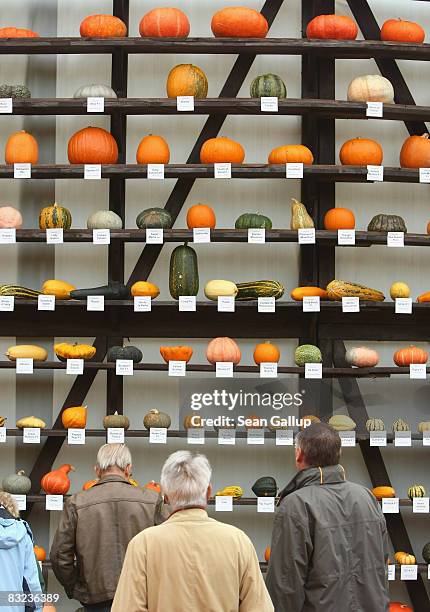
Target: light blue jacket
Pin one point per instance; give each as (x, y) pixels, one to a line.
(17, 561)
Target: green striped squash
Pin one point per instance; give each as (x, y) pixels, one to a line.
(255, 289)
(268, 85)
(184, 272)
(253, 220)
(19, 292)
(55, 216)
(416, 491)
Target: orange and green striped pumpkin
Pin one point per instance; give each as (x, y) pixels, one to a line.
(55, 216)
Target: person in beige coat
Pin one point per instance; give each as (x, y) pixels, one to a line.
(190, 563)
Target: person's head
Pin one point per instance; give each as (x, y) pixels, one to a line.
(113, 459)
(317, 446)
(9, 504)
(185, 480)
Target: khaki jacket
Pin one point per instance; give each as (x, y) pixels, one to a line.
(95, 528)
(191, 563)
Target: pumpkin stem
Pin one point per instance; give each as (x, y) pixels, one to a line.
(20, 473)
(426, 136)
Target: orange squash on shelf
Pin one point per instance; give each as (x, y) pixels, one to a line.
(339, 218)
(411, 354)
(396, 606)
(404, 558)
(92, 145)
(291, 154)
(221, 150)
(400, 30)
(361, 152)
(74, 417)
(266, 352)
(21, 148)
(103, 26)
(153, 486)
(384, 491)
(201, 215)
(164, 22)
(40, 552)
(340, 27)
(187, 80)
(18, 33)
(424, 297)
(299, 293)
(145, 288)
(153, 149)
(239, 22)
(57, 482)
(415, 152)
(176, 353)
(89, 484)
(267, 551)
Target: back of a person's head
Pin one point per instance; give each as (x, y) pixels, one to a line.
(320, 444)
(9, 504)
(185, 479)
(113, 456)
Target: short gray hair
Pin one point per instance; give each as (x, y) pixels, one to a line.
(113, 455)
(185, 478)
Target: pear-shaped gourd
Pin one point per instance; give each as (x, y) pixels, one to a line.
(300, 218)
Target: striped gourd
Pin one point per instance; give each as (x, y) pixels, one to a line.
(55, 216)
(416, 491)
(268, 85)
(338, 289)
(19, 292)
(252, 290)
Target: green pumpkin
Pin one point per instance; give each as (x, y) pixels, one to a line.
(156, 418)
(17, 484)
(184, 272)
(387, 223)
(268, 86)
(307, 353)
(426, 552)
(416, 491)
(14, 91)
(154, 218)
(116, 420)
(265, 487)
(125, 352)
(253, 220)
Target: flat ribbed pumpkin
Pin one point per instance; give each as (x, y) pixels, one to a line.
(239, 22)
(21, 148)
(340, 27)
(103, 26)
(361, 152)
(55, 216)
(164, 22)
(18, 33)
(187, 80)
(221, 150)
(400, 30)
(411, 354)
(92, 145)
(291, 154)
(153, 149)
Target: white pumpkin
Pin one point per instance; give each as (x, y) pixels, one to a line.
(104, 219)
(216, 288)
(370, 88)
(362, 357)
(95, 91)
(10, 217)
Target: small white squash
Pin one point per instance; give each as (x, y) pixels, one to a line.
(362, 357)
(95, 91)
(215, 288)
(370, 88)
(104, 219)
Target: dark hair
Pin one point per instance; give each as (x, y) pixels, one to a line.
(320, 444)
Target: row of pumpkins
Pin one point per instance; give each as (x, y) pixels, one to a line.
(229, 22)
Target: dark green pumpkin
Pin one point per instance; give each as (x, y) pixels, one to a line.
(268, 86)
(154, 218)
(426, 552)
(184, 272)
(14, 91)
(265, 487)
(387, 223)
(16, 484)
(125, 352)
(253, 220)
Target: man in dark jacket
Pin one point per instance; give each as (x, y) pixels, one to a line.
(96, 526)
(329, 542)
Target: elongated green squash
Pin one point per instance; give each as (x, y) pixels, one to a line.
(184, 272)
(114, 290)
(252, 290)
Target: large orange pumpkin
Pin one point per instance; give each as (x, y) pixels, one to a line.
(92, 145)
(21, 148)
(221, 150)
(201, 215)
(103, 26)
(338, 27)
(187, 80)
(40, 552)
(239, 22)
(415, 152)
(164, 22)
(266, 352)
(361, 152)
(339, 218)
(411, 354)
(57, 482)
(291, 154)
(74, 417)
(153, 149)
(18, 33)
(223, 349)
(402, 31)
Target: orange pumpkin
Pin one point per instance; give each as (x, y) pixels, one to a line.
(411, 354)
(415, 152)
(153, 486)
(291, 154)
(396, 606)
(239, 22)
(267, 554)
(74, 417)
(402, 31)
(10, 217)
(164, 22)
(428, 227)
(40, 552)
(153, 149)
(201, 215)
(187, 80)
(89, 484)
(338, 27)
(92, 145)
(221, 150)
(21, 148)
(384, 491)
(18, 33)
(266, 352)
(176, 353)
(145, 288)
(339, 218)
(299, 293)
(57, 482)
(361, 152)
(424, 297)
(103, 26)
(223, 349)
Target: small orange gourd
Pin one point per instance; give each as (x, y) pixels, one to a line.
(339, 218)
(40, 553)
(57, 482)
(266, 352)
(201, 215)
(103, 26)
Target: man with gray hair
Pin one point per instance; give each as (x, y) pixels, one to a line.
(190, 563)
(96, 526)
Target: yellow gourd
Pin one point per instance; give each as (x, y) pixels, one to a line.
(61, 289)
(399, 290)
(64, 351)
(300, 218)
(404, 558)
(30, 421)
(27, 351)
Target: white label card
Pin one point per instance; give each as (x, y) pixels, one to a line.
(54, 502)
(265, 504)
(155, 235)
(284, 437)
(187, 303)
(8, 235)
(391, 572)
(402, 438)
(268, 369)
(227, 436)
(115, 435)
(418, 370)
(195, 435)
(306, 235)
(424, 175)
(3, 433)
(428, 571)
(313, 370)
(24, 365)
(222, 171)
(403, 306)
(142, 303)
(255, 436)
(177, 368)
(31, 435)
(96, 302)
(426, 438)
(155, 172)
(269, 104)
(311, 303)
(346, 236)
(225, 303)
(92, 172)
(420, 505)
(75, 367)
(101, 236)
(124, 367)
(158, 435)
(224, 503)
(409, 572)
(22, 171)
(347, 438)
(185, 103)
(224, 369)
(46, 302)
(201, 234)
(21, 501)
(54, 235)
(256, 235)
(378, 438)
(76, 436)
(395, 239)
(294, 171)
(7, 303)
(266, 304)
(95, 105)
(375, 109)
(375, 173)
(390, 505)
(350, 304)
(6, 108)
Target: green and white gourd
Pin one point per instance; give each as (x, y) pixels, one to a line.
(416, 491)
(104, 219)
(95, 91)
(307, 353)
